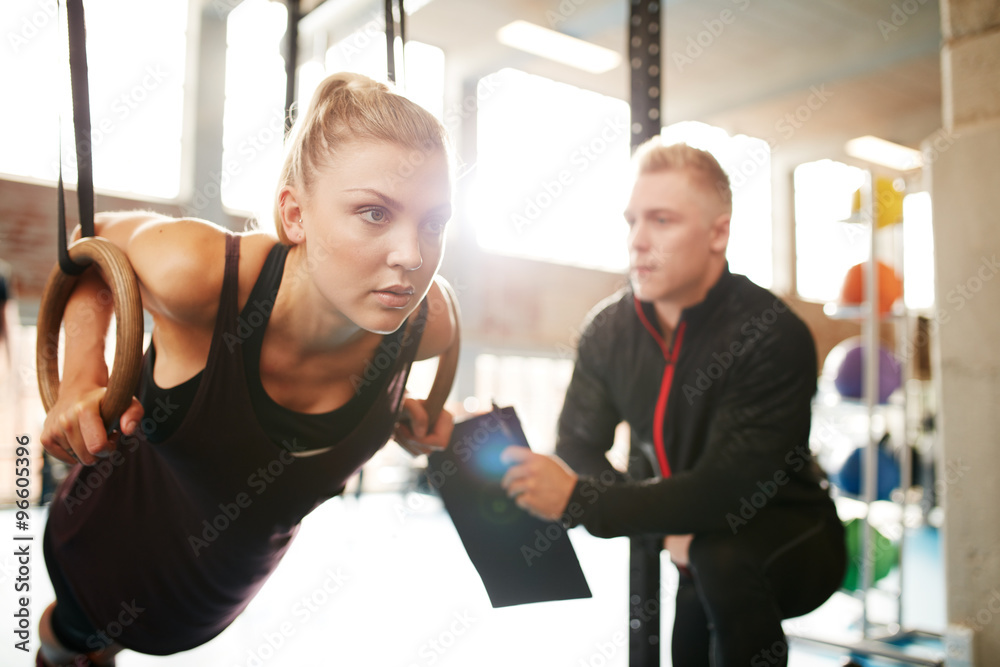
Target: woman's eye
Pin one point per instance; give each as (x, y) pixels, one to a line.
(435, 227)
(376, 216)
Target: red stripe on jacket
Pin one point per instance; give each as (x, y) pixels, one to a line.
(670, 354)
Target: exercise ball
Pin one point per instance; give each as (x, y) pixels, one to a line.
(882, 553)
(849, 379)
(888, 202)
(890, 287)
(850, 477)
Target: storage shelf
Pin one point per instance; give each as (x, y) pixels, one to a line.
(868, 413)
(837, 311)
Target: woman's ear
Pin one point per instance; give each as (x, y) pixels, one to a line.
(290, 209)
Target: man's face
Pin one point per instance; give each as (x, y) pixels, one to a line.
(676, 227)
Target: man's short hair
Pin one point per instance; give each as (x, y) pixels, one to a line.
(652, 156)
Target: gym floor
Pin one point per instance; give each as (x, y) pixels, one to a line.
(383, 580)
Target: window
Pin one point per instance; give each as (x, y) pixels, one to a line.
(254, 115)
(825, 246)
(918, 252)
(552, 180)
(253, 135)
(135, 102)
(421, 78)
(535, 386)
(552, 176)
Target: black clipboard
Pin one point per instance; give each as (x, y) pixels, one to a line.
(520, 558)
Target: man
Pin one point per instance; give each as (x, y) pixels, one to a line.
(715, 377)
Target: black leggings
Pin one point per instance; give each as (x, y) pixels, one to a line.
(781, 564)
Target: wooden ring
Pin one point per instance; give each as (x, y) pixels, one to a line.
(118, 274)
(447, 361)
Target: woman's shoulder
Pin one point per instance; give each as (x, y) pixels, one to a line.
(181, 264)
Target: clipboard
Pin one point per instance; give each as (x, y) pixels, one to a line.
(521, 559)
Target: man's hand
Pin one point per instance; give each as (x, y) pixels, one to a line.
(542, 485)
(414, 436)
(678, 546)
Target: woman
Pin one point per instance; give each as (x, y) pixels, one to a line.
(275, 371)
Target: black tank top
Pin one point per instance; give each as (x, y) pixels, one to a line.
(182, 534)
(288, 428)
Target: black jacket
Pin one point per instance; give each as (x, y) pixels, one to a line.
(734, 423)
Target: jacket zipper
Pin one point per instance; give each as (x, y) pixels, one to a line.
(670, 354)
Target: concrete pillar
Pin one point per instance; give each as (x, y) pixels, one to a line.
(962, 164)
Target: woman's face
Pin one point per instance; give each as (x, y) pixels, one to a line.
(374, 228)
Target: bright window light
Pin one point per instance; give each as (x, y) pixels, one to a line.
(255, 96)
(535, 385)
(551, 181)
(885, 153)
(136, 102)
(918, 252)
(825, 246)
(420, 77)
(558, 47)
(254, 115)
(747, 161)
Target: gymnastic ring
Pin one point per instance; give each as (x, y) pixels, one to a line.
(447, 361)
(118, 274)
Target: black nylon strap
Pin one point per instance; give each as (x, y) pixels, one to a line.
(81, 128)
(291, 61)
(390, 42)
(390, 39)
(402, 34)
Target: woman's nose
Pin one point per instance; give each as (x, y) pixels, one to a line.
(405, 252)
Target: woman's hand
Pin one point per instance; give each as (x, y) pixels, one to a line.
(74, 431)
(540, 484)
(412, 434)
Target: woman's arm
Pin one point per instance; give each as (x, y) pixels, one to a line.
(179, 265)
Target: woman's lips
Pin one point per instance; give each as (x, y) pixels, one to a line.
(394, 297)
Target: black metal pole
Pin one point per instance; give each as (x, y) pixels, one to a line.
(402, 40)
(644, 59)
(644, 561)
(390, 39)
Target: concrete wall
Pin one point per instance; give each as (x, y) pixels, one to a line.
(963, 178)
